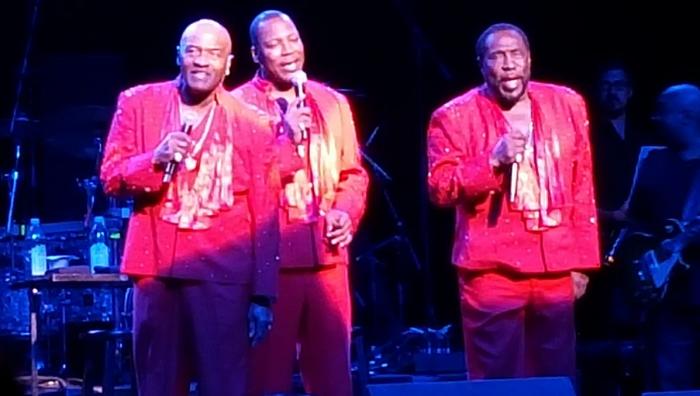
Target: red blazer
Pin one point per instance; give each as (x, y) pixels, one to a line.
(242, 244)
(488, 235)
(351, 192)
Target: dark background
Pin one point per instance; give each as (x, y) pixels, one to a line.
(396, 60)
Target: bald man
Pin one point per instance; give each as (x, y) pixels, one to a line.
(202, 244)
(667, 186)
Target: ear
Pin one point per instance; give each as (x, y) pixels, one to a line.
(229, 63)
(254, 54)
(480, 65)
(178, 56)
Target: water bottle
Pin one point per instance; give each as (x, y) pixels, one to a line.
(37, 252)
(99, 250)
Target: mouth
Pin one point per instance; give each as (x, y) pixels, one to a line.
(199, 75)
(290, 67)
(511, 84)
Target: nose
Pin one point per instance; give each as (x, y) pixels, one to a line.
(287, 47)
(508, 62)
(201, 60)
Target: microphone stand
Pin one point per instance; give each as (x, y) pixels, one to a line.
(399, 225)
(399, 238)
(14, 174)
(13, 178)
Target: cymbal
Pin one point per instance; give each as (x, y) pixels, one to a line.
(25, 128)
(77, 131)
(93, 120)
(79, 147)
(83, 120)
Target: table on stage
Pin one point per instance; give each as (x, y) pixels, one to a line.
(34, 286)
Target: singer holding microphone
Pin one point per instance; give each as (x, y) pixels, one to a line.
(513, 158)
(203, 241)
(322, 187)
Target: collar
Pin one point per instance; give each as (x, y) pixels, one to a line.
(262, 84)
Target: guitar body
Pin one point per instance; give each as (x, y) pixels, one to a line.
(647, 260)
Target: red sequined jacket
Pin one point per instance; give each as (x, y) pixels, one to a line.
(241, 246)
(488, 235)
(304, 245)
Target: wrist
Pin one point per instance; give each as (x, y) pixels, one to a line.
(156, 160)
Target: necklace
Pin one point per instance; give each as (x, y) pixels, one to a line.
(190, 161)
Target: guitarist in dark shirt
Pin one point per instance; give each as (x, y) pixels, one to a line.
(667, 186)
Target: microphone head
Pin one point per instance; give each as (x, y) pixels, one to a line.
(298, 78)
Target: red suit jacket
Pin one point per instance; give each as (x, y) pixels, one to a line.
(351, 191)
(241, 246)
(488, 235)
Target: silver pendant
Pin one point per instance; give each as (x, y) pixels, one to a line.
(190, 163)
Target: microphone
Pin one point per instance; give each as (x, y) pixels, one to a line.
(514, 176)
(298, 80)
(172, 165)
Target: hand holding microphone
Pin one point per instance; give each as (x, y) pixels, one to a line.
(509, 148)
(171, 150)
(298, 118)
(298, 115)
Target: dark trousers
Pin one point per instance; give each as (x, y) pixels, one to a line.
(190, 330)
(674, 348)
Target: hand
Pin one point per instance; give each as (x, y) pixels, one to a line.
(173, 145)
(338, 228)
(296, 117)
(580, 283)
(508, 147)
(259, 323)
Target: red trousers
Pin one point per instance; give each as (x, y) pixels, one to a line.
(190, 330)
(312, 323)
(518, 326)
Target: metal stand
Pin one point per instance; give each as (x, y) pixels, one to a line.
(90, 186)
(399, 225)
(399, 237)
(34, 306)
(14, 174)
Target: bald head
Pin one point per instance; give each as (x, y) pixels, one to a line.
(207, 27)
(677, 113)
(204, 57)
(684, 97)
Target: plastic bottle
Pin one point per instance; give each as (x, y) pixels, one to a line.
(37, 252)
(99, 250)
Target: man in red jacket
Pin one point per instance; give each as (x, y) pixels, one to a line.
(201, 248)
(512, 156)
(323, 188)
